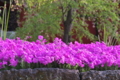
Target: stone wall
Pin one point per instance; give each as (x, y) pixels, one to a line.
(40, 74)
(58, 74)
(101, 75)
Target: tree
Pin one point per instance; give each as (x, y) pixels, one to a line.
(73, 13)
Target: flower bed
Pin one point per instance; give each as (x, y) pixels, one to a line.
(17, 53)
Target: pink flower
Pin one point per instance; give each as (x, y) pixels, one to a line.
(28, 59)
(35, 60)
(40, 37)
(1, 65)
(13, 62)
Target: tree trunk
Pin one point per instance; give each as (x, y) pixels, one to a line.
(68, 26)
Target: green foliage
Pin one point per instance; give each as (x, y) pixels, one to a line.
(101, 12)
(48, 14)
(44, 22)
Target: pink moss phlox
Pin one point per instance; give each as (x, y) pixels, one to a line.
(14, 51)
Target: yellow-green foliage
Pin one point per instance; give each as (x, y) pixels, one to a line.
(48, 16)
